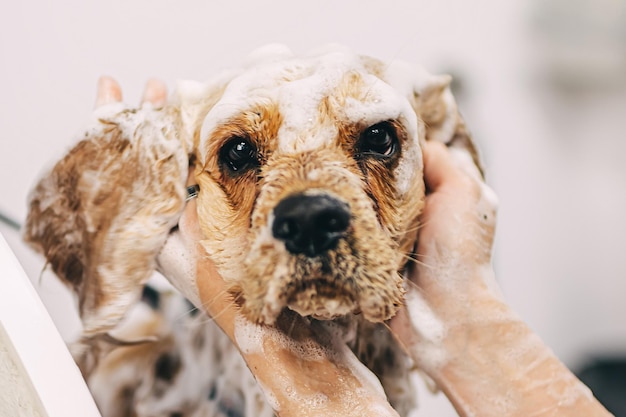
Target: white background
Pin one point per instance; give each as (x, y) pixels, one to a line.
(543, 90)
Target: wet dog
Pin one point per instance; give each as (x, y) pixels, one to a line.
(310, 176)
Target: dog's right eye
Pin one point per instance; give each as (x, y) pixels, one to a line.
(239, 155)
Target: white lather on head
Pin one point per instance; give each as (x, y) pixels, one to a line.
(299, 86)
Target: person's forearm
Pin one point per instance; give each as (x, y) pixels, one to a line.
(492, 364)
(505, 369)
(304, 378)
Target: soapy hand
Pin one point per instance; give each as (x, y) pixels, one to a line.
(452, 279)
(456, 325)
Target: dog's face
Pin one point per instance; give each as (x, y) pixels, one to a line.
(311, 186)
(310, 173)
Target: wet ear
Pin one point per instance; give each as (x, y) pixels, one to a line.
(193, 101)
(104, 211)
(434, 104)
(436, 107)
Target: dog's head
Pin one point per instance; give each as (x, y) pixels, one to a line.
(311, 186)
(310, 172)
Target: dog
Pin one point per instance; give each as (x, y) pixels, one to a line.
(310, 178)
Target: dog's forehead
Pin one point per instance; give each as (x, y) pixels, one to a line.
(314, 95)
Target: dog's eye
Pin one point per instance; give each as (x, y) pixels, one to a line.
(379, 139)
(239, 155)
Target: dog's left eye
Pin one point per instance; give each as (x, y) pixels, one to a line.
(379, 139)
(239, 155)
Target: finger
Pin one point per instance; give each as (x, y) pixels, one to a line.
(109, 91)
(191, 178)
(177, 262)
(439, 167)
(188, 223)
(465, 162)
(155, 93)
(448, 165)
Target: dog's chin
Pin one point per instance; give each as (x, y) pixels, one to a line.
(322, 300)
(359, 276)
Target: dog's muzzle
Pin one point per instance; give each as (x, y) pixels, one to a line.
(310, 224)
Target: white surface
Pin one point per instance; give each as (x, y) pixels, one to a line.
(556, 163)
(18, 394)
(42, 352)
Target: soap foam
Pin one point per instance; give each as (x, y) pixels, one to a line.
(299, 86)
(344, 355)
(250, 338)
(431, 329)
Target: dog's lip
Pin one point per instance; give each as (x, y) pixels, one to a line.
(321, 298)
(322, 314)
(329, 287)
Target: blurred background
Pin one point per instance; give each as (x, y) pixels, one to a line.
(541, 83)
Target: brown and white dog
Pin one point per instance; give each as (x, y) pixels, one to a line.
(310, 175)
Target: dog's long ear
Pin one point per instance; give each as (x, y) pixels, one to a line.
(434, 104)
(104, 211)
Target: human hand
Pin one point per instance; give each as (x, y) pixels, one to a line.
(451, 281)
(456, 325)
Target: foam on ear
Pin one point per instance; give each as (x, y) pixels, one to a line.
(102, 214)
(437, 107)
(268, 53)
(439, 111)
(193, 100)
(434, 104)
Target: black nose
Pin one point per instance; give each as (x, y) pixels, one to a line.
(310, 224)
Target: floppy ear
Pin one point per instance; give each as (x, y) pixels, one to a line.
(434, 104)
(104, 211)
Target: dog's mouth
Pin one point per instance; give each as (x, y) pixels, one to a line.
(340, 282)
(321, 256)
(322, 299)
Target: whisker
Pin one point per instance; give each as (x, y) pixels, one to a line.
(411, 229)
(205, 307)
(186, 313)
(404, 347)
(421, 255)
(292, 326)
(413, 284)
(214, 317)
(412, 257)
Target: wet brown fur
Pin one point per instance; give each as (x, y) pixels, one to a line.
(102, 214)
(364, 271)
(95, 219)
